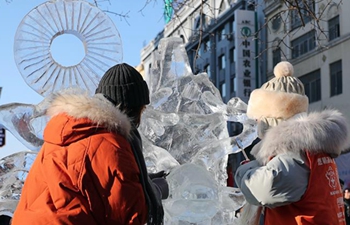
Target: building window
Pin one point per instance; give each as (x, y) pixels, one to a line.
(312, 84)
(223, 89)
(197, 24)
(336, 77)
(303, 44)
(200, 22)
(276, 22)
(222, 62)
(333, 28)
(199, 50)
(276, 56)
(222, 34)
(192, 57)
(207, 70)
(207, 45)
(232, 55)
(232, 26)
(233, 84)
(305, 10)
(149, 68)
(222, 7)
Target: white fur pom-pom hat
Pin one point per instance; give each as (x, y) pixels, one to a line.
(281, 97)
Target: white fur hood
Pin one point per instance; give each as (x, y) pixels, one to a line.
(316, 132)
(79, 104)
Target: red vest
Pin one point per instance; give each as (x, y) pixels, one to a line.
(322, 203)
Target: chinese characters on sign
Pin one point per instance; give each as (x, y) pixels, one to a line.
(245, 46)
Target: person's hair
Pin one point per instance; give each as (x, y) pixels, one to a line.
(134, 113)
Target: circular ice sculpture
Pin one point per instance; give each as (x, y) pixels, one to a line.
(40, 27)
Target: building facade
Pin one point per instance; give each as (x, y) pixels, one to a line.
(318, 45)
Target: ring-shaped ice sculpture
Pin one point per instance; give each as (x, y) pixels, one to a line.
(38, 29)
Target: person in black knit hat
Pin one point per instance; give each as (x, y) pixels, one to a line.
(124, 86)
(90, 169)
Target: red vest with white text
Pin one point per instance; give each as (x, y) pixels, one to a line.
(322, 203)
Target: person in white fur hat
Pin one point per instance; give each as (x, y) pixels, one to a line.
(294, 178)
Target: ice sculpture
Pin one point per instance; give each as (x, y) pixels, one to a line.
(184, 133)
(188, 119)
(51, 19)
(26, 122)
(13, 171)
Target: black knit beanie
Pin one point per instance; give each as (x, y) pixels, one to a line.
(123, 85)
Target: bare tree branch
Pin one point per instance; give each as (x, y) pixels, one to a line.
(123, 16)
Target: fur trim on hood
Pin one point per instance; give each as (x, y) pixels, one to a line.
(79, 104)
(317, 132)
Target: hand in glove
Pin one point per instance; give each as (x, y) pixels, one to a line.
(160, 183)
(159, 174)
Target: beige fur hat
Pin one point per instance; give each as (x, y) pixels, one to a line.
(281, 98)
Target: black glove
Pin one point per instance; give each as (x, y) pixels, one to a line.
(159, 181)
(162, 186)
(159, 174)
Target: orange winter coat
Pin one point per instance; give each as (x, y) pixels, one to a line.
(85, 173)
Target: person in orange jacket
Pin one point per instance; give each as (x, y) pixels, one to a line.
(90, 169)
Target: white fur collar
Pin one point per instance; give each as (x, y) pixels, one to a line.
(78, 104)
(326, 131)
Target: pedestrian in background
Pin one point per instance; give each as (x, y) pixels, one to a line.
(341, 184)
(347, 205)
(90, 169)
(294, 177)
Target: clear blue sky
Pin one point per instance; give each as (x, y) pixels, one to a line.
(141, 27)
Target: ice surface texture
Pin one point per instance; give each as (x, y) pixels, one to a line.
(51, 19)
